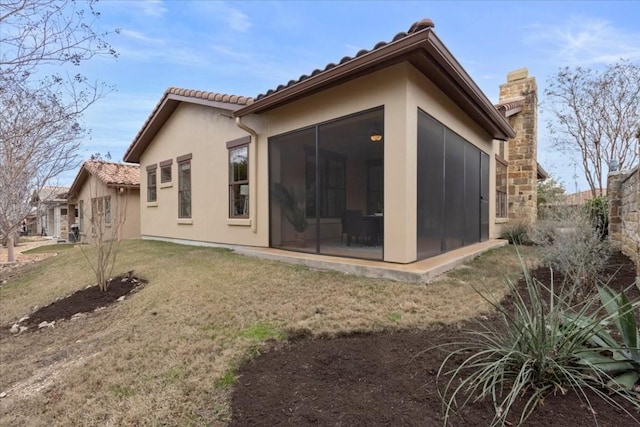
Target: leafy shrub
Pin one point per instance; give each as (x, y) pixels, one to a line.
(542, 346)
(598, 209)
(618, 364)
(572, 246)
(517, 233)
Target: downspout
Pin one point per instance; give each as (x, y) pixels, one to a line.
(253, 192)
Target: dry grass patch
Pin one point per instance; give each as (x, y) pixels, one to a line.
(168, 354)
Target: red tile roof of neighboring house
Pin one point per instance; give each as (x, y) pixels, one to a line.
(52, 194)
(112, 174)
(167, 105)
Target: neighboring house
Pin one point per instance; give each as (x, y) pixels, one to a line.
(394, 149)
(110, 194)
(52, 212)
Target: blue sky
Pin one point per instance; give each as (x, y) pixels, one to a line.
(246, 48)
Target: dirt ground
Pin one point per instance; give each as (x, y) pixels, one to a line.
(362, 380)
(386, 379)
(82, 301)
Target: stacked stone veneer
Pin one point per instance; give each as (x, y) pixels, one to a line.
(522, 172)
(623, 191)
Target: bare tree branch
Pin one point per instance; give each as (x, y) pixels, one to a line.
(41, 32)
(596, 115)
(40, 113)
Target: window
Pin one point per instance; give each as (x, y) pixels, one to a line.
(107, 210)
(165, 171)
(239, 177)
(152, 193)
(184, 186)
(81, 215)
(502, 209)
(101, 210)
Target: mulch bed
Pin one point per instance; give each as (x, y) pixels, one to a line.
(83, 301)
(388, 379)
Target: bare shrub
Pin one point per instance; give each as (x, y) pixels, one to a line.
(571, 245)
(517, 233)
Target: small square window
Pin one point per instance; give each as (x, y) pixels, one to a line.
(165, 174)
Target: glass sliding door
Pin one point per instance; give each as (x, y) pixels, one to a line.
(291, 203)
(452, 190)
(339, 168)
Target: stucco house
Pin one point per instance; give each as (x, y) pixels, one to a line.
(106, 195)
(389, 155)
(52, 211)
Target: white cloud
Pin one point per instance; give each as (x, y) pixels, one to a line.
(153, 8)
(237, 20)
(146, 8)
(138, 36)
(584, 41)
(230, 17)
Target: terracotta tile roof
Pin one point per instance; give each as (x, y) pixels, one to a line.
(210, 96)
(114, 173)
(420, 47)
(420, 25)
(509, 107)
(52, 193)
(168, 103)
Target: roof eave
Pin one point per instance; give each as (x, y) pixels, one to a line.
(79, 180)
(541, 173)
(338, 73)
(477, 105)
(120, 185)
(492, 121)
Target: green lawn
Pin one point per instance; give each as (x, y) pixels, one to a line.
(167, 355)
(59, 247)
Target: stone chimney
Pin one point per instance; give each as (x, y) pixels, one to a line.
(519, 103)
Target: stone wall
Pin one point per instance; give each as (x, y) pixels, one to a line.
(521, 90)
(624, 218)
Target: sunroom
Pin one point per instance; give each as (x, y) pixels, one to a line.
(386, 156)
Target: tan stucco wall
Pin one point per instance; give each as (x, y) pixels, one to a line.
(203, 132)
(125, 204)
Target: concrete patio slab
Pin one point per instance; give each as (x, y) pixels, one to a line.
(418, 272)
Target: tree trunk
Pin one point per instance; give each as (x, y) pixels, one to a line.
(11, 257)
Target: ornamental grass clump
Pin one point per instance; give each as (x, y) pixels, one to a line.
(542, 345)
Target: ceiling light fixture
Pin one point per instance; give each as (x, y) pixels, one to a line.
(375, 136)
